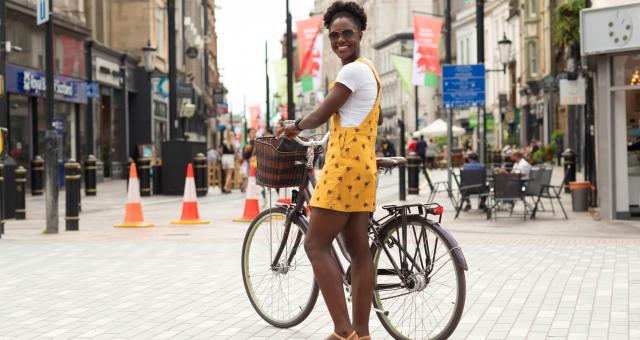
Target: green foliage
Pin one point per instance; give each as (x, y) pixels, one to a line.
(566, 22)
(557, 134)
(551, 149)
(537, 156)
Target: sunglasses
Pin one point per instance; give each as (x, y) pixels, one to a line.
(346, 34)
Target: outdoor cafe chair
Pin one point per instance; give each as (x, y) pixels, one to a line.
(552, 192)
(472, 183)
(538, 178)
(437, 187)
(509, 189)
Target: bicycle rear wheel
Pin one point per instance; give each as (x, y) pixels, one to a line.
(284, 294)
(418, 281)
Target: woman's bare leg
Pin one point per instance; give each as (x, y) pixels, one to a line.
(323, 228)
(357, 243)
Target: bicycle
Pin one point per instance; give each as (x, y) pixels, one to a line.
(406, 248)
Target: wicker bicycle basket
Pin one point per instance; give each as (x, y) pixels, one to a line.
(278, 168)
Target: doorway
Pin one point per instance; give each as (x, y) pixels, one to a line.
(105, 135)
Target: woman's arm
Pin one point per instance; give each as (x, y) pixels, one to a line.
(336, 98)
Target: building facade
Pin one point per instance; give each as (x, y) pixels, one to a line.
(107, 105)
(22, 105)
(610, 42)
(501, 20)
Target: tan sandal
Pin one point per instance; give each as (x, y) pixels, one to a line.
(347, 338)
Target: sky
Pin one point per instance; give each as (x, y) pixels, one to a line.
(242, 27)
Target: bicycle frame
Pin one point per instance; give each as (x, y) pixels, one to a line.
(302, 199)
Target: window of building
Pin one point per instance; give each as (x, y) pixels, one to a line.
(532, 57)
(160, 31)
(532, 8)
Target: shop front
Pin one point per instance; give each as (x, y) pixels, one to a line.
(611, 41)
(26, 89)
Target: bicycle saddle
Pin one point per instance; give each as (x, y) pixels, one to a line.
(390, 162)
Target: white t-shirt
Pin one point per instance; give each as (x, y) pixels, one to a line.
(359, 78)
(522, 167)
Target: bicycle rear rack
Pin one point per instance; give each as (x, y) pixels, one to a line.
(424, 210)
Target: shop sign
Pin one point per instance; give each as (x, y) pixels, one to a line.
(108, 72)
(610, 29)
(223, 108)
(34, 83)
(573, 92)
(163, 87)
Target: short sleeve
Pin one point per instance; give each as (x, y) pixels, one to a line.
(353, 75)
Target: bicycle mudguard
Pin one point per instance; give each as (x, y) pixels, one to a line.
(457, 251)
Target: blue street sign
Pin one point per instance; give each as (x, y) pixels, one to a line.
(42, 14)
(92, 89)
(463, 85)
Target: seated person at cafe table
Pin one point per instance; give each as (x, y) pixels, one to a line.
(474, 165)
(520, 165)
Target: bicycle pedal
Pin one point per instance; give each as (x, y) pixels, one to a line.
(386, 313)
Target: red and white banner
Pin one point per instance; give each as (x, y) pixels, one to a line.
(426, 60)
(310, 45)
(254, 111)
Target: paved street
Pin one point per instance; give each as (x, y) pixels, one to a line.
(543, 279)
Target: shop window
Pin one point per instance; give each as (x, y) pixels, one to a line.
(626, 70)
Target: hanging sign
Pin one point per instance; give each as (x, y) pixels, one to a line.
(310, 42)
(42, 14)
(426, 60)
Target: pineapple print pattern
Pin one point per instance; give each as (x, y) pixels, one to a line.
(347, 181)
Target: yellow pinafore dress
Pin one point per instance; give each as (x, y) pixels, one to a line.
(347, 182)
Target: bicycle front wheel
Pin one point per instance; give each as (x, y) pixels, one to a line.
(283, 293)
(419, 284)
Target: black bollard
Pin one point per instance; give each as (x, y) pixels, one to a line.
(90, 176)
(144, 174)
(72, 195)
(413, 168)
(200, 174)
(157, 179)
(21, 187)
(37, 174)
(569, 157)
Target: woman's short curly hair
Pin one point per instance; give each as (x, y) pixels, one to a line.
(348, 9)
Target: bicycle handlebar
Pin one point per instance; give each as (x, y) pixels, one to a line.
(306, 143)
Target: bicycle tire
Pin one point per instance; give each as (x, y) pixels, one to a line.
(308, 304)
(460, 292)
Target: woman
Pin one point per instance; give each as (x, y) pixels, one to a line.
(228, 159)
(345, 194)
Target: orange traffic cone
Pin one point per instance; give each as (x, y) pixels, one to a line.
(251, 205)
(133, 212)
(190, 205)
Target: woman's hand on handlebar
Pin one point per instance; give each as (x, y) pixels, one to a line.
(291, 131)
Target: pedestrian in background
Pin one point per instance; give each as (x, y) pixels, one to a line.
(473, 164)
(430, 154)
(248, 156)
(421, 147)
(345, 194)
(228, 159)
(412, 146)
(388, 149)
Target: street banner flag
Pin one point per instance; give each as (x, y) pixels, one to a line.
(426, 60)
(310, 43)
(403, 66)
(255, 115)
(280, 72)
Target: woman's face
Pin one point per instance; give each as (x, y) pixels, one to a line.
(345, 37)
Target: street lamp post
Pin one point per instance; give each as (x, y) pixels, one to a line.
(504, 54)
(291, 107)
